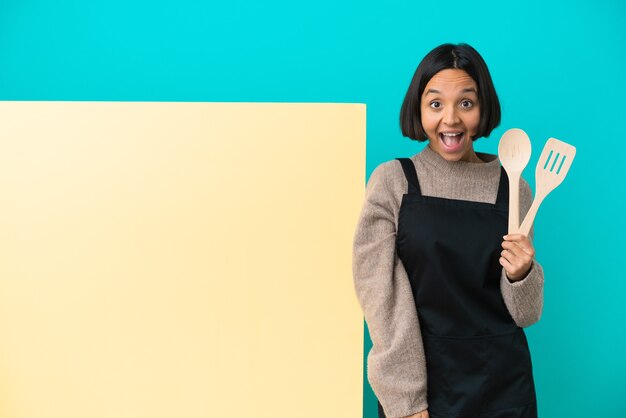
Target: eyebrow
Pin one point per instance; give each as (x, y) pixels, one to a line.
(467, 90)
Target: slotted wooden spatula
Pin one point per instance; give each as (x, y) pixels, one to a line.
(554, 163)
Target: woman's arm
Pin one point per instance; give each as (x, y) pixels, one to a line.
(396, 367)
(524, 298)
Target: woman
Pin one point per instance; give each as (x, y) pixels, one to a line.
(444, 290)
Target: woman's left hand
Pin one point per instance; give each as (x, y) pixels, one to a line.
(517, 256)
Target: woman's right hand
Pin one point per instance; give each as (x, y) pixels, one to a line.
(423, 414)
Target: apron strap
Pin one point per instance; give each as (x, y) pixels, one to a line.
(411, 175)
(502, 201)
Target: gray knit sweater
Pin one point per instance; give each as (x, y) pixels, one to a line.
(396, 367)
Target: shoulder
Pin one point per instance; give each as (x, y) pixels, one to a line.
(525, 194)
(524, 187)
(389, 173)
(387, 184)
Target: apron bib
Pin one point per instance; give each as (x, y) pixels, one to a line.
(477, 359)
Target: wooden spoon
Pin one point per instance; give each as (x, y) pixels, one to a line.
(552, 167)
(514, 151)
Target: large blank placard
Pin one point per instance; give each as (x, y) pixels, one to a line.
(179, 260)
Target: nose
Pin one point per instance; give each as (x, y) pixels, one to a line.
(450, 116)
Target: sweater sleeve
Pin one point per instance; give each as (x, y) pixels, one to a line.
(396, 366)
(524, 298)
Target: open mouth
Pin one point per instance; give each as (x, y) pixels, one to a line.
(451, 141)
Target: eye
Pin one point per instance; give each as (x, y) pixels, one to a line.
(435, 104)
(467, 104)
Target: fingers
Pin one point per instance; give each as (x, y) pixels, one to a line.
(517, 255)
(518, 242)
(514, 236)
(518, 251)
(504, 262)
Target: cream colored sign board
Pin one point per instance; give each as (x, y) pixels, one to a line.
(179, 260)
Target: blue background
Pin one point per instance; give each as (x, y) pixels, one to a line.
(558, 68)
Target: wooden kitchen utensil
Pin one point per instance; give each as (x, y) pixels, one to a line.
(554, 163)
(514, 151)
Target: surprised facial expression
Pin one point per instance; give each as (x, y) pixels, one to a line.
(451, 114)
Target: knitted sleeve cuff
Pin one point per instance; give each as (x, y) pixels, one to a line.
(524, 298)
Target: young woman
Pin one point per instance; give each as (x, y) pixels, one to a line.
(444, 290)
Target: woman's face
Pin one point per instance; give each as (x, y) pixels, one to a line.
(451, 114)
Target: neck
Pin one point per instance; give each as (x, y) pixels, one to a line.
(475, 159)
